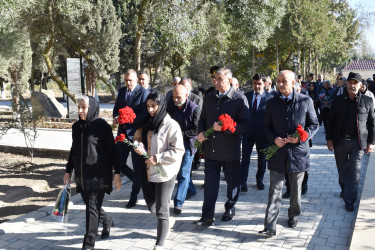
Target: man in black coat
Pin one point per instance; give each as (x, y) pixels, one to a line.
(222, 149)
(133, 96)
(257, 99)
(186, 81)
(350, 131)
(144, 81)
(283, 113)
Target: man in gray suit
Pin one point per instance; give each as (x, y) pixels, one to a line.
(283, 113)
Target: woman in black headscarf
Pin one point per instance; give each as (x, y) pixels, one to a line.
(165, 146)
(93, 156)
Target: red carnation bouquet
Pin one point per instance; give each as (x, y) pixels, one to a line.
(300, 133)
(126, 115)
(225, 121)
(121, 138)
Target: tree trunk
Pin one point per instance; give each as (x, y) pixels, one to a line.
(277, 58)
(138, 35)
(304, 62)
(309, 61)
(316, 64)
(159, 65)
(32, 87)
(299, 57)
(253, 65)
(118, 80)
(97, 74)
(51, 71)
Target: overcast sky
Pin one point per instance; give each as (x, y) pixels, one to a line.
(368, 5)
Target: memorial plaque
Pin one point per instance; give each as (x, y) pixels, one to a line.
(73, 68)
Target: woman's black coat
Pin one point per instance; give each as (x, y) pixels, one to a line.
(93, 154)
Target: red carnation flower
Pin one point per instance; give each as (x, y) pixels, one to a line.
(300, 133)
(120, 137)
(227, 123)
(303, 135)
(126, 115)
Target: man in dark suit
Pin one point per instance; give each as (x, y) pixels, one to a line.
(283, 114)
(222, 149)
(144, 81)
(257, 99)
(133, 96)
(186, 81)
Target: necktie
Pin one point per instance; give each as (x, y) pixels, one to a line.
(127, 99)
(286, 100)
(255, 103)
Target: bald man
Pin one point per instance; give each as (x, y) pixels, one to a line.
(283, 113)
(186, 113)
(235, 84)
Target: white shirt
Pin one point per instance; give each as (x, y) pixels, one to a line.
(223, 94)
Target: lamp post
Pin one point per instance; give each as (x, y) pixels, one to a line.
(296, 63)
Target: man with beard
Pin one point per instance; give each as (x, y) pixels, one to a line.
(186, 114)
(350, 131)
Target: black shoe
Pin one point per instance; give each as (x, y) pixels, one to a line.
(292, 223)
(244, 189)
(286, 195)
(204, 222)
(177, 210)
(267, 232)
(195, 166)
(304, 189)
(349, 207)
(131, 203)
(260, 185)
(106, 231)
(188, 196)
(228, 215)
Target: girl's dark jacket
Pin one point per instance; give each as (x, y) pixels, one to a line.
(93, 154)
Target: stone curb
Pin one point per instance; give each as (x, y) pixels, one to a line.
(364, 228)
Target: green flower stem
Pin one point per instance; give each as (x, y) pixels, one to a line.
(206, 134)
(271, 150)
(146, 156)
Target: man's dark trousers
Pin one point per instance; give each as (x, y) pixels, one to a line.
(124, 151)
(247, 148)
(348, 157)
(232, 172)
(275, 194)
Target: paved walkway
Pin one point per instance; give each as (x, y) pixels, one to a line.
(324, 223)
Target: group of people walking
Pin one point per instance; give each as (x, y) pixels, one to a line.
(169, 127)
